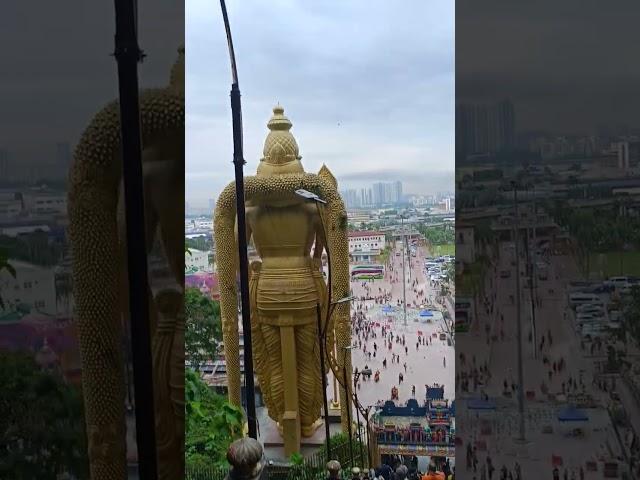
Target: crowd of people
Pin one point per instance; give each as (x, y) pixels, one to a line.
(395, 469)
(486, 470)
(390, 349)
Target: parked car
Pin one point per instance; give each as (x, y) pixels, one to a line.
(580, 298)
(590, 308)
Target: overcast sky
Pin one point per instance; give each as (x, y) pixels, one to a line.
(568, 66)
(57, 69)
(367, 84)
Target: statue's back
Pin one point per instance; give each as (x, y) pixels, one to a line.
(285, 233)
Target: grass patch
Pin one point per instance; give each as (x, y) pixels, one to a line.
(447, 249)
(611, 264)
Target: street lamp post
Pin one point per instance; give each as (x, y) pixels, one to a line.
(238, 161)
(356, 377)
(404, 278)
(518, 316)
(324, 381)
(365, 414)
(532, 275)
(346, 387)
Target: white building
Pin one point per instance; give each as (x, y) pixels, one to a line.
(198, 261)
(465, 244)
(10, 208)
(33, 286)
(14, 230)
(45, 202)
(365, 246)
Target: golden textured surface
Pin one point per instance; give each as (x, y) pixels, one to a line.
(99, 289)
(275, 187)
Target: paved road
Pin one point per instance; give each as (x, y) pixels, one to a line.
(426, 364)
(499, 350)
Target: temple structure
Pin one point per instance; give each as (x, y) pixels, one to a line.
(424, 429)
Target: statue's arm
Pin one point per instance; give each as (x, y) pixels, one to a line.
(248, 233)
(320, 242)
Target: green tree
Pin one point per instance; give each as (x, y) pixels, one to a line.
(212, 424)
(204, 328)
(42, 430)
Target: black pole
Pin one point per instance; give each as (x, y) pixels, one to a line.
(128, 54)
(355, 395)
(346, 387)
(366, 419)
(238, 161)
(324, 381)
(532, 300)
(521, 424)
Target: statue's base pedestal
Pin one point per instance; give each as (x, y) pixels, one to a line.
(273, 442)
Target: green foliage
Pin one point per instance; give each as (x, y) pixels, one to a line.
(487, 175)
(296, 459)
(203, 243)
(34, 248)
(343, 223)
(204, 328)
(212, 424)
(438, 235)
(42, 430)
(340, 449)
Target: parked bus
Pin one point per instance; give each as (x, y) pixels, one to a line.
(464, 314)
(367, 272)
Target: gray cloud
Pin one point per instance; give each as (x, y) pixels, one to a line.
(57, 68)
(366, 84)
(566, 65)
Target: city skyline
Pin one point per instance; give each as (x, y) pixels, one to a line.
(372, 104)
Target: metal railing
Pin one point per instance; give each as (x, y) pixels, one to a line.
(313, 467)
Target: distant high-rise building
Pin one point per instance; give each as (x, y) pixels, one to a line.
(212, 204)
(350, 198)
(387, 193)
(63, 157)
(378, 194)
(366, 199)
(398, 192)
(485, 129)
(4, 164)
(623, 154)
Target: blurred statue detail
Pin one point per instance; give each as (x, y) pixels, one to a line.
(286, 283)
(98, 239)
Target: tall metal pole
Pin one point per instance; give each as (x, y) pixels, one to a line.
(404, 278)
(532, 266)
(366, 421)
(516, 225)
(346, 387)
(238, 161)
(321, 335)
(128, 54)
(355, 395)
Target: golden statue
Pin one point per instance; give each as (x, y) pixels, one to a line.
(99, 275)
(287, 283)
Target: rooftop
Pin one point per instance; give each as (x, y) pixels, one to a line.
(365, 233)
